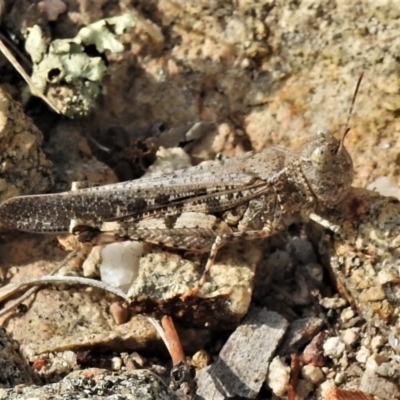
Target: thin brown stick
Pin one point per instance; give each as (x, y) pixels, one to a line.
(175, 346)
(294, 377)
(182, 373)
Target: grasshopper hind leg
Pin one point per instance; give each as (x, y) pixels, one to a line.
(220, 241)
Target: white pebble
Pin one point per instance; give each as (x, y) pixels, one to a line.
(394, 340)
(362, 354)
(120, 263)
(334, 347)
(371, 364)
(349, 336)
(168, 160)
(69, 356)
(333, 303)
(116, 363)
(347, 314)
(278, 377)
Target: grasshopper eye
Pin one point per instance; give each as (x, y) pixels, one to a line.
(318, 155)
(325, 153)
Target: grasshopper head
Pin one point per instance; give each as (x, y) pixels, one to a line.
(323, 166)
(326, 167)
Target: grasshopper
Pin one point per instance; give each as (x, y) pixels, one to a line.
(204, 207)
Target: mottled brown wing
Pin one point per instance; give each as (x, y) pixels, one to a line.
(211, 187)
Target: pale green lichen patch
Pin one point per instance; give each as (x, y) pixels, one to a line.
(103, 33)
(66, 72)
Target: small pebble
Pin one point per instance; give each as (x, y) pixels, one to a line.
(388, 276)
(168, 160)
(374, 293)
(371, 364)
(201, 359)
(334, 347)
(312, 374)
(90, 266)
(69, 356)
(339, 378)
(344, 361)
(333, 303)
(278, 377)
(313, 352)
(116, 363)
(119, 313)
(330, 374)
(134, 361)
(387, 369)
(52, 8)
(394, 340)
(362, 354)
(120, 263)
(366, 341)
(347, 314)
(158, 369)
(325, 388)
(349, 336)
(377, 342)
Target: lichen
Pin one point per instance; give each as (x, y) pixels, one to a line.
(66, 71)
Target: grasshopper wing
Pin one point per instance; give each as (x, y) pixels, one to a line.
(210, 187)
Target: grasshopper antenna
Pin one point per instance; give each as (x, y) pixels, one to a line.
(353, 100)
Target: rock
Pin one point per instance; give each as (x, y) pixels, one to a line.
(14, 370)
(300, 332)
(380, 387)
(24, 168)
(251, 345)
(97, 384)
